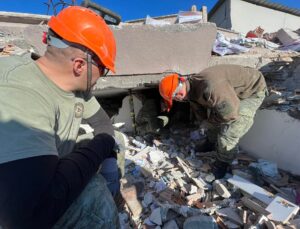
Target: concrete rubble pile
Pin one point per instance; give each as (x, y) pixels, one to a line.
(170, 185)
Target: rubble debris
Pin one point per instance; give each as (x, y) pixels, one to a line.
(252, 189)
(155, 217)
(266, 168)
(222, 46)
(282, 210)
(130, 196)
(230, 214)
(254, 206)
(177, 192)
(200, 221)
(221, 189)
(170, 225)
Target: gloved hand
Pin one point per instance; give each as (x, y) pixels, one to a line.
(109, 170)
(102, 144)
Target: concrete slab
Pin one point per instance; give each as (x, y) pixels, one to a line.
(146, 49)
(282, 210)
(252, 189)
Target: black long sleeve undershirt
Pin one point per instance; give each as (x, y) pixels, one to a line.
(35, 192)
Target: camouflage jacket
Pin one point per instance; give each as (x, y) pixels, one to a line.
(220, 88)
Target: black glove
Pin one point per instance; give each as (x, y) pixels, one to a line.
(102, 145)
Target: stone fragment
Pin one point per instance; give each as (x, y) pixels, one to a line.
(131, 198)
(209, 178)
(221, 189)
(281, 210)
(200, 221)
(252, 189)
(148, 198)
(155, 216)
(231, 225)
(230, 214)
(254, 206)
(193, 198)
(170, 225)
(270, 225)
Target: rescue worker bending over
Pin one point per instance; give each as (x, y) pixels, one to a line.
(227, 97)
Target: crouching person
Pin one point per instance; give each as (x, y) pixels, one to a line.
(45, 181)
(227, 97)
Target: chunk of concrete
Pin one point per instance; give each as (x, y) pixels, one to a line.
(170, 225)
(230, 214)
(131, 198)
(155, 216)
(147, 49)
(201, 221)
(221, 189)
(252, 189)
(281, 210)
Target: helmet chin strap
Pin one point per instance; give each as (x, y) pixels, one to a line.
(89, 76)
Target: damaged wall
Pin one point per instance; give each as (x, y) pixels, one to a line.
(243, 19)
(242, 16)
(275, 137)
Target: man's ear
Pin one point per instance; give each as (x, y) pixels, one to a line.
(79, 66)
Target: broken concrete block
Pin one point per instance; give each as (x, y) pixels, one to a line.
(200, 183)
(231, 225)
(192, 189)
(149, 46)
(148, 198)
(131, 198)
(209, 178)
(287, 36)
(170, 225)
(252, 189)
(260, 222)
(253, 206)
(270, 225)
(193, 198)
(221, 189)
(230, 213)
(201, 221)
(282, 210)
(155, 216)
(155, 156)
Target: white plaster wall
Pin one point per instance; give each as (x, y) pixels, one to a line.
(124, 114)
(275, 136)
(222, 16)
(246, 16)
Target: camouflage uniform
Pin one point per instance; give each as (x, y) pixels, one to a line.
(227, 97)
(228, 135)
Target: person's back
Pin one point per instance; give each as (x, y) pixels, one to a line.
(244, 80)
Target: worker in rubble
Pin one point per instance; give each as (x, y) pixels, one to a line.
(226, 97)
(47, 180)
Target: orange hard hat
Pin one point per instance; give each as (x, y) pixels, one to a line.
(83, 26)
(167, 87)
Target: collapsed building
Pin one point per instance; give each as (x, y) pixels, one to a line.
(168, 184)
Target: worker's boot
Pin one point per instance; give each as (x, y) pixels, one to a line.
(205, 146)
(219, 169)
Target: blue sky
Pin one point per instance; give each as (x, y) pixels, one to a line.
(128, 9)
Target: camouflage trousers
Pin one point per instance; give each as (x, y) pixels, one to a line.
(227, 136)
(94, 208)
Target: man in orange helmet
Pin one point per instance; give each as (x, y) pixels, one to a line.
(227, 97)
(46, 179)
